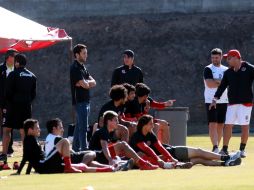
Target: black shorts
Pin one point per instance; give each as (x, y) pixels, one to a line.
(52, 164)
(16, 115)
(77, 157)
(178, 152)
(217, 115)
(101, 158)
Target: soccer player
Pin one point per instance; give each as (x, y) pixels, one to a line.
(145, 142)
(55, 130)
(238, 79)
(107, 151)
(213, 74)
(32, 152)
(118, 95)
(136, 109)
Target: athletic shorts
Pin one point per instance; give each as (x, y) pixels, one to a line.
(16, 115)
(179, 152)
(238, 114)
(100, 157)
(217, 115)
(52, 164)
(77, 157)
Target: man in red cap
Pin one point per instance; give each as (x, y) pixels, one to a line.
(238, 80)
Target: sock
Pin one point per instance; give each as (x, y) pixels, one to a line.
(150, 159)
(105, 169)
(242, 146)
(224, 158)
(67, 162)
(225, 148)
(141, 162)
(214, 147)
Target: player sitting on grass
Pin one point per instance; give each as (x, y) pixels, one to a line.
(32, 152)
(55, 130)
(136, 109)
(57, 161)
(144, 138)
(118, 95)
(107, 151)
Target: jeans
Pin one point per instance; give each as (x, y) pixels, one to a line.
(80, 132)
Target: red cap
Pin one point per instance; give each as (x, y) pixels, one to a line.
(232, 53)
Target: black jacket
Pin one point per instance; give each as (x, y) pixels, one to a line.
(20, 86)
(3, 69)
(123, 74)
(239, 84)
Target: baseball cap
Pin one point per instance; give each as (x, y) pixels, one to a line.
(129, 53)
(232, 53)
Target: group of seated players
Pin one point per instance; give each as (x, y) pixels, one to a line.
(125, 137)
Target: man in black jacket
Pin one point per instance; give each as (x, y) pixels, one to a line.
(20, 92)
(5, 68)
(127, 73)
(238, 79)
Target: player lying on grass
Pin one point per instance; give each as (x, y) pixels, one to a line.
(107, 151)
(57, 161)
(55, 129)
(146, 142)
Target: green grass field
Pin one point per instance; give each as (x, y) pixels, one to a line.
(197, 178)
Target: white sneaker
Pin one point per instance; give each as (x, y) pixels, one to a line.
(234, 159)
(216, 150)
(243, 154)
(168, 165)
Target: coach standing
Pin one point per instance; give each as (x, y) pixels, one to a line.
(127, 73)
(238, 79)
(20, 92)
(5, 68)
(213, 74)
(81, 82)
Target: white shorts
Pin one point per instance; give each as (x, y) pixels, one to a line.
(238, 114)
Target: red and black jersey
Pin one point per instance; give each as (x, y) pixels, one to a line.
(138, 137)
(148, 144)
(238, 83)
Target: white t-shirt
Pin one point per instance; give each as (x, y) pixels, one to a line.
(214, 72)
(50, 143)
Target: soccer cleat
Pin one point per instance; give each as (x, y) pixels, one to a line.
(15, 166)
(127, 166)
(235, 162)
(233, 158)
(5, 167)
(243, 154)
(72, 170)
(169, 165)
(182, 165)
(3, 157)
(216, 150)
(148, 166)
(223, 153)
